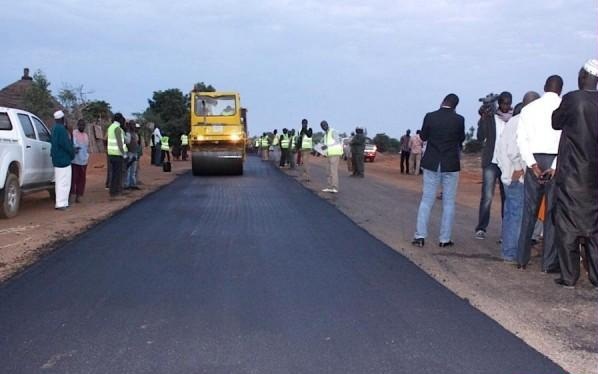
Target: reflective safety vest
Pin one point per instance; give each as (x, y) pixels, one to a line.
(112, 148)
(307, 143)
(184, 139)
(276, 140)
(165, 146)
(257, 142)
(334, 148)
(284, 141)
(293, 141)
(264, 142)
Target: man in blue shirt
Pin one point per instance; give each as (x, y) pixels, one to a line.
(62, 153)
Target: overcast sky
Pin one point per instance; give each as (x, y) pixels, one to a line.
(381, 64)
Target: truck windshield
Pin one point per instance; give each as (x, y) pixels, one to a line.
(215, 106)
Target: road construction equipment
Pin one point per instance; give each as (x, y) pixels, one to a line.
(218, 133)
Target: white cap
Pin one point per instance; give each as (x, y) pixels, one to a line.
(137, 125)
(591, 66)
(58, 114)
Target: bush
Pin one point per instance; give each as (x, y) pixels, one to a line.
(473, 146)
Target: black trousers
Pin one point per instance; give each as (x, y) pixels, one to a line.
(284, 156)
(405, 161)
(116, 175)
(532, 197)
(184, 152)
(153, 155)
(569, 246)
(357, 161)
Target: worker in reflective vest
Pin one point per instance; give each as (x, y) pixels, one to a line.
(333, 149)
(305, 146)
(165, 147)
(264, 145)
(292, 149)
(184, 146)
(284, 147)
(117, 151)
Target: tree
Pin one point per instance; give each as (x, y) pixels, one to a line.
(38, 97)
(318, 137)
(170, 110)
(382, 142)
(97, 110)
(202, 87)
(394, 145)
(73, 100)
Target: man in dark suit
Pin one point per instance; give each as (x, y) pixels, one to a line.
(490, 128)
(444, 130)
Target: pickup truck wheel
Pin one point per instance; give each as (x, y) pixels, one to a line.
(11, 197)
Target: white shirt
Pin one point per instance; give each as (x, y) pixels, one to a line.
(535, 133)
(507, 151)
(157, 136)
(500, 126)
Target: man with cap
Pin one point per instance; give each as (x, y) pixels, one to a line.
(538, 143)
(576, 178)
(334, 150)
(62, 153)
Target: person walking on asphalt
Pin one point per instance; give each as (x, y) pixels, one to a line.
(576, 178)
(264, 146)
(512, 169)
(357, 149)
(444, 130)
(305, 145)
(334, 151)
(490, 127)
(79, 163)
(415, 156)
(405, 151)
(284, 147)
(539, 144)
(62, 153)
(117, 152)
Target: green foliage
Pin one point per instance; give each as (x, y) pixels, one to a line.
(38, 98)
(97, 110)
(169, 109)
(394, 145)
(202, 87)
(382, 142)
(318, 137)
(473, 146)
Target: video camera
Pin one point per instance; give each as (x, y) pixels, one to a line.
(489, 105)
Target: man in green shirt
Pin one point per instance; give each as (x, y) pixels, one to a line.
(62, 154)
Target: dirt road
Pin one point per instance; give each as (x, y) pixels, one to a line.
(560, 323)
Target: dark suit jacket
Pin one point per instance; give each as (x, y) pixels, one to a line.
(444, 130)
(487, 135)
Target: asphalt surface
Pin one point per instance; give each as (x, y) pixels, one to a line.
(250, 274)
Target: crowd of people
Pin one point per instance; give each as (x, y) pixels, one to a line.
(543, 149)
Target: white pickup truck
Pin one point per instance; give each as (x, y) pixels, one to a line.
(25, 162)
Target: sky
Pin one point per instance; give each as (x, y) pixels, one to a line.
(381, 64)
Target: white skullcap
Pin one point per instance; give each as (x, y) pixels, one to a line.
(58, 114)
(137, 125)
(591, 67)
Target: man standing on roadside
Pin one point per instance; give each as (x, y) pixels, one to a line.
(405, 151)
(490, 127)
(305, 145)
(538, 143)
(334, 150)
(79, 163)
(157, 150)
(512, 169)
(62, 153)
(117, 151)
(357, 148)
(444, 130)
(284, 147)
(576, 178)
(415, 157)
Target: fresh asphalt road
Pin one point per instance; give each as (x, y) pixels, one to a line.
(250, 274)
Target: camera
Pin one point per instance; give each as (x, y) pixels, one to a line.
(489, 104)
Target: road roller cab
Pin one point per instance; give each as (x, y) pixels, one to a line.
(218, 133)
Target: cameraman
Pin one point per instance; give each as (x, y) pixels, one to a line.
(490, 127)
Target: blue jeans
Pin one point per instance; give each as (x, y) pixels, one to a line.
(511, 222)
(432, 179)
(131, 180)
(490, 175)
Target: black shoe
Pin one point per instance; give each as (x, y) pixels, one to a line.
(561, 282)
(522, 267)
(552, 271)
(446, 244)
(418, 242)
